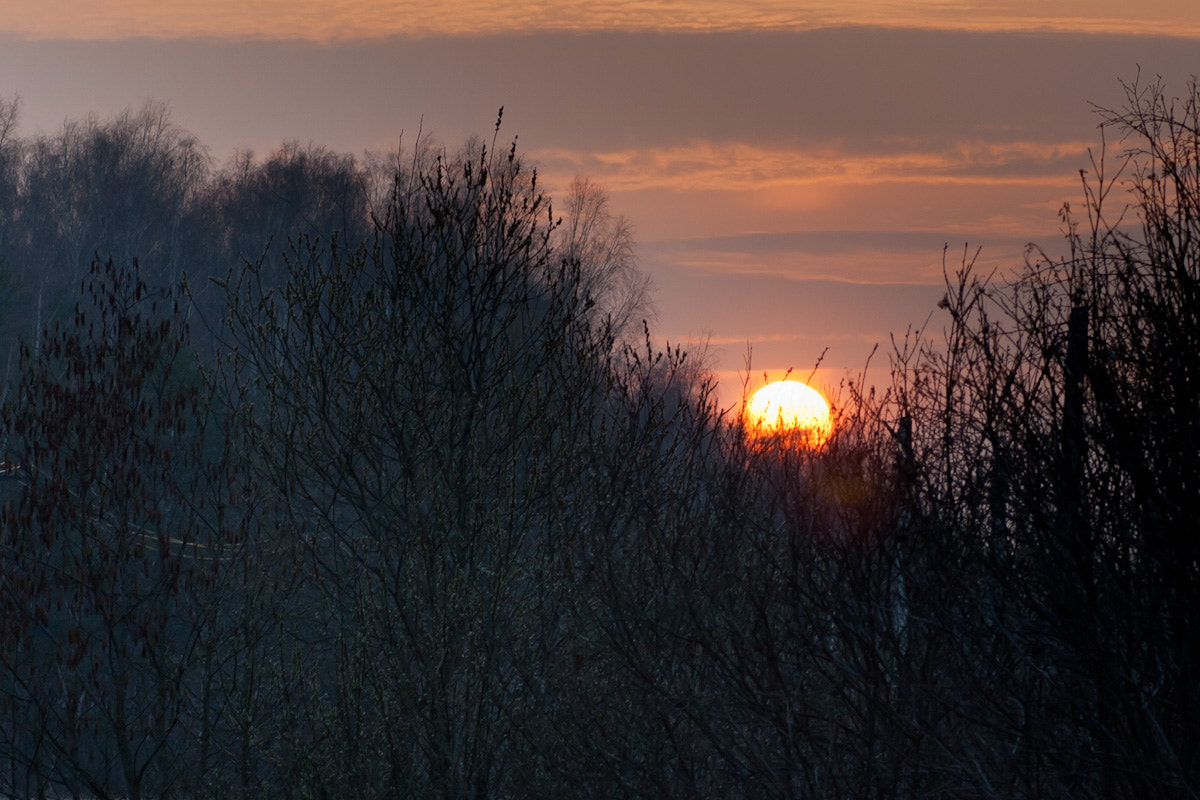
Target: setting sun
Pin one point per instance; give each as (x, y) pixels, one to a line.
(790, 407)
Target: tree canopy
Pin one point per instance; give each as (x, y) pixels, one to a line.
(331, 477)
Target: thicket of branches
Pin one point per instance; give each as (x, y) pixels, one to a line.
(393, 497)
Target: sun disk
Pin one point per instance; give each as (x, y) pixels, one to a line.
(789, 407)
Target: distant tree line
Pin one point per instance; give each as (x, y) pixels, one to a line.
(336, 477)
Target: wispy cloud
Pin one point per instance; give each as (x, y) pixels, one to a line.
(328, 20)
(703, 196)
(735, 166)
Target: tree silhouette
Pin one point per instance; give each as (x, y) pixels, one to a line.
(1056, 444)
(428, 517)
(107, 561)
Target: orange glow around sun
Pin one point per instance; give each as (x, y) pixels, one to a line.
(789, 407)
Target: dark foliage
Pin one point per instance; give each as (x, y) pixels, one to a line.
(416, 513)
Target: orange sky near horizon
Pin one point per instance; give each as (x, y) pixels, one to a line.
(793, 171)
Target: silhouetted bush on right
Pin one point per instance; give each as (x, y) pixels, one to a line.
(1058, 465)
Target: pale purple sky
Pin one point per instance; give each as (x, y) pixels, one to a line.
(791, 179)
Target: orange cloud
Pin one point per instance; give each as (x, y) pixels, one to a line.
(705, 188)
(740, 166)
(328, 20)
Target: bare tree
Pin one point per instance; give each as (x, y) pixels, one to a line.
(1055, 443)
(425, 395)
(108, 563)
(604, 247)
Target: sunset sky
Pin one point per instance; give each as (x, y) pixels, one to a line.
(792, 170)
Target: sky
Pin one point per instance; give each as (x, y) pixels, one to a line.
(794, 172)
